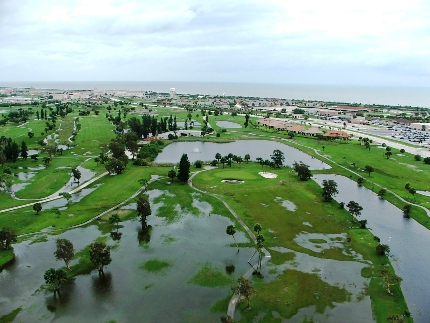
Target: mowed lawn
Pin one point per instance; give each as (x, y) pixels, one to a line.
(95, 130)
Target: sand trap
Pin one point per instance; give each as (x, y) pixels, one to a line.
(232, 181)
(267, 175)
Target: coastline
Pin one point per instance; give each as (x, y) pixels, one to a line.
(382, 95)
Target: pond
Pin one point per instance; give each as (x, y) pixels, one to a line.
(425, 193)
(131, 292)
(206, 151)
(227, 124)
(407, 239)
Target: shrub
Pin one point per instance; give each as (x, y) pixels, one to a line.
(417, 157)
(402, 151)
(213, 162)
(382, 249)
(140, 162)
(360, 181)
(218, 134)
(223, 130)
(341, 205)
(427, 160)
(198, 164)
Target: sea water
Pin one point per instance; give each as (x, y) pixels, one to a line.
(404, 96)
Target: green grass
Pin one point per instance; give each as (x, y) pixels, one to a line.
(155, 265)
(208, 276)
(6, 256)
(9, 318)
(280, 229)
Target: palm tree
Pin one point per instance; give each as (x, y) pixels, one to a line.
(231, 230)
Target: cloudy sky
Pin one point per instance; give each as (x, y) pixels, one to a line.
(365, 42)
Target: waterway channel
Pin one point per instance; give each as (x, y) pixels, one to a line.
(407, 239)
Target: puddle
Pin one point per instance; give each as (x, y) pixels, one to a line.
(22, 176)
(290, 206)
(227, 124)
(19, 186)
(425, 193)
(131, 206)
(39, 167)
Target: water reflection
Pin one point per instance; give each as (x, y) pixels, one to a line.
(102, 286)
(256, 148)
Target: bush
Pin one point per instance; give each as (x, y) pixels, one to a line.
(402, 151)
(140, 162)
(417, 157)
(360, 181)
(341, 205)
(198, 164)
(218, 134)
(427, 160)
(214, 163)
(223, 130)
(382, 249)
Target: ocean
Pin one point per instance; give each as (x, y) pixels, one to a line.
(394, 96)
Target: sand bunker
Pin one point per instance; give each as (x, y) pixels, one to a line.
(232, 181)
(267, 175)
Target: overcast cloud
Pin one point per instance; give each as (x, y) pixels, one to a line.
(378, 42)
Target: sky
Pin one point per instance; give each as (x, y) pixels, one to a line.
(377, 42)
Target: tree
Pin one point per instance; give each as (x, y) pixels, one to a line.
(412, 191)
(382, 192)
(115, 219)
(382, 249)
(407, 186)
(76, 174)
(115, 166)
(360, 181)
(231, 231)
(24, 150)
(244, 289)
(184, 169)
(302, 171)
(363, 224)
(277, 157)
(7, 236)
(368, 169)
(37, 207)
(388, 154)
(64, 251)
(247, 158)
(402, 151)
(417, 157)
(427, 160)
(55, 278)
(100, 255)
(389, 278)
(407, 210)
(226, 319)
(329, 189)
(143, 209)
(354, 208)
(396, 318)
(171, 174)
(218, 157)
(257, 228)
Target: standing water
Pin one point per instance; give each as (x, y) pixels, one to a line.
(406, 238)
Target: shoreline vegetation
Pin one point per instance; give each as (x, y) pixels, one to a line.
(103, 121)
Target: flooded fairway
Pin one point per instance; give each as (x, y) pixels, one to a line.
(131, 291)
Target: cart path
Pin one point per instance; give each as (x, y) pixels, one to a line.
(235, 298)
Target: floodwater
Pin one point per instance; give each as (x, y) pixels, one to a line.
(407, 239)
(228, 124)
(425, 193)
(127, 292)
(206, 151)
